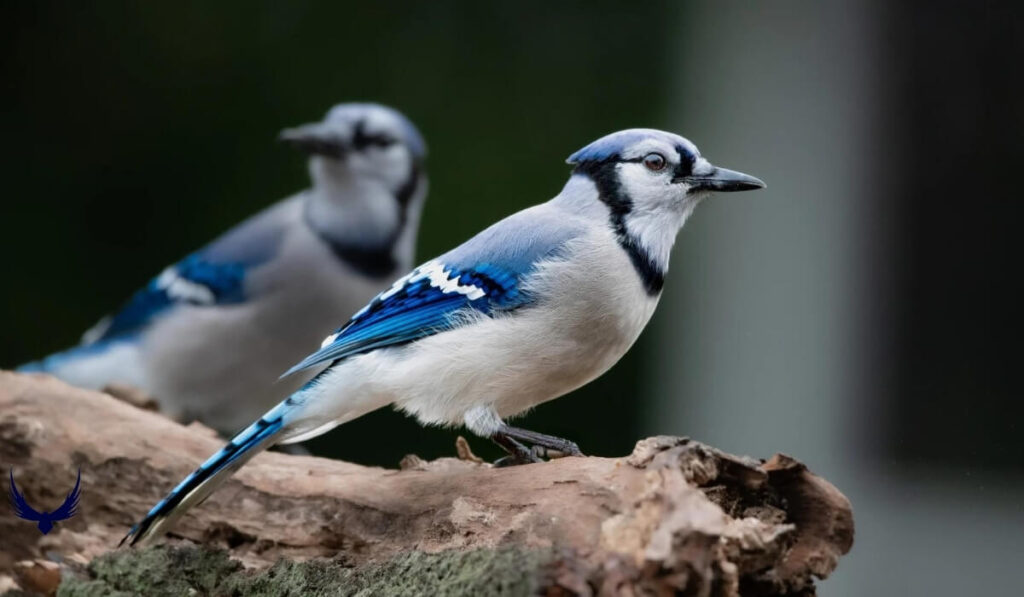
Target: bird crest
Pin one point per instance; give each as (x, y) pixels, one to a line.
(44, 520)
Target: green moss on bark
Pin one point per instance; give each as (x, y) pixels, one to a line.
(199, 571)
(154, 571)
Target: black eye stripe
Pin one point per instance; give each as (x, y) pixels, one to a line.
(686, 161)
(361, 139)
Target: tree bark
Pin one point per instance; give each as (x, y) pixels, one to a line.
(675, 516)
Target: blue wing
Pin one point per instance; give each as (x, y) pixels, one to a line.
(421, 304)
(194, 281)
(215, 275)
(485, 274)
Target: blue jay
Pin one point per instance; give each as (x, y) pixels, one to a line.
(209, 336)
(531, 308)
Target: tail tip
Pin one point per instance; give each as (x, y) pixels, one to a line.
(135, 535)
(130, 535)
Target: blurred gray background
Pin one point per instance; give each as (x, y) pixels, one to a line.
(858, 314)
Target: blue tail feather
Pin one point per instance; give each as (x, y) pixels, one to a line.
(242, 446)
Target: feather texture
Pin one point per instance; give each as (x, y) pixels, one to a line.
(533, 307)
(484, 274)
(210, 474)
(420, 304)
(214, 275)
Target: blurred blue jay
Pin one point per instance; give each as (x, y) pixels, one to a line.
(531, 308)
(209, 336)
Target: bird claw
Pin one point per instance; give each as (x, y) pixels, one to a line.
(507, 461)
(561, 451)
(542, 447)
(524, 456)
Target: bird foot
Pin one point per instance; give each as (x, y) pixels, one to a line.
(517, 454)
(541, 447)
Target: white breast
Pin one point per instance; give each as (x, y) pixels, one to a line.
(593, 309)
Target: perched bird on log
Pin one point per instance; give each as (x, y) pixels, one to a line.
(209, 336)
(531, 308)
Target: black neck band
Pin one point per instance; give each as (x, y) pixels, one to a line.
(377, 261)
(619, 204)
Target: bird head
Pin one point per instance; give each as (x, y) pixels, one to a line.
(655, 170)
(368, 141)
(650, 181)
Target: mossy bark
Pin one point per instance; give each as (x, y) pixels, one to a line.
(174, 571)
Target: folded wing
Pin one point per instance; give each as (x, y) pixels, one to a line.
(483, 276)
(427, 301)
(214, 275)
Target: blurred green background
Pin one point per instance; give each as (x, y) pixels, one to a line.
(858, 314)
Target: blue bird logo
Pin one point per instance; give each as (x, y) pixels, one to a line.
(45, 520)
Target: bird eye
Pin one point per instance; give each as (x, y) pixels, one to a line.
(654, 162)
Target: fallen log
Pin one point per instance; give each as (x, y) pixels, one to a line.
(675, 516)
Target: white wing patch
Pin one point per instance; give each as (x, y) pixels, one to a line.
(443, 280)
(178, 288)
(96, 332)
(439, 278)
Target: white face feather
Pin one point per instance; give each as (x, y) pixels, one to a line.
(659, 206)
(354, 195)
(389, 165)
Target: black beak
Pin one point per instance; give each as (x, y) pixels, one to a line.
(313, 140)
(723, 180)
